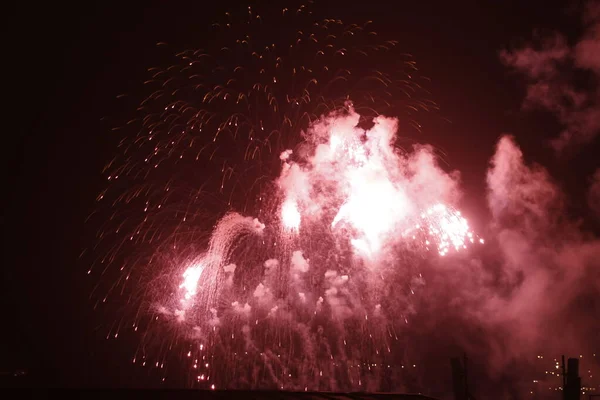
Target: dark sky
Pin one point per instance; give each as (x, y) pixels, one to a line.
(63, 66)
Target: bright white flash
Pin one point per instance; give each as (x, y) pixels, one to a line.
(190, 281)
(290, 215)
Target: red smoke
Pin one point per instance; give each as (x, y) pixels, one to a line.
(533, 290)
(549, 65)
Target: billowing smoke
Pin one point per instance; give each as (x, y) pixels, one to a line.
(552, 67)
(539, 277)
(550, 270)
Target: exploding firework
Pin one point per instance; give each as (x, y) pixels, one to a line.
(266, 214)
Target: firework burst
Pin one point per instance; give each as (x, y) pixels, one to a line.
(265, 221)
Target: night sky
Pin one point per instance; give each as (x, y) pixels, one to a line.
(65, 64)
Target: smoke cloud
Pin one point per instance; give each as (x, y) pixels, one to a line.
(533, 291)
(548, 263)
(552, 67)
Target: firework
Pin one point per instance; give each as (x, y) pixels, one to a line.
(266, 213)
